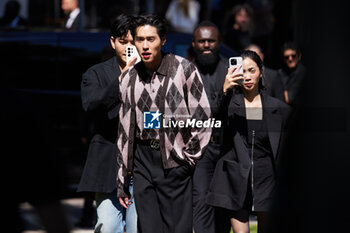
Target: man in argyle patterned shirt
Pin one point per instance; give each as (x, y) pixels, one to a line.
(161, 160)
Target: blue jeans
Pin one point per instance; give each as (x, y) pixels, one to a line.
(111, 215)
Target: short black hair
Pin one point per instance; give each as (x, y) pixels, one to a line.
(290, 45)
(206, 23)
(154, 20)
(254, 56)
(121, 25)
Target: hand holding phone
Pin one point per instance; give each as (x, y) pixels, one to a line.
(234, 74)
(238, 63)
(131, 52)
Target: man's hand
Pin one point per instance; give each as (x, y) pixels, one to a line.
(231, 79)
(130, 64)
(286, 97)
(125, 202)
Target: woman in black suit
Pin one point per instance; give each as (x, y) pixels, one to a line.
(245, 176)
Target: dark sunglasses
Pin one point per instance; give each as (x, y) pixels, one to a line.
(292, 55)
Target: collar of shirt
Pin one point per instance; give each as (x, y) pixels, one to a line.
(72, 17)
(163, 68)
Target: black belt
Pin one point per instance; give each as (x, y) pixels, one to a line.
(153, 143)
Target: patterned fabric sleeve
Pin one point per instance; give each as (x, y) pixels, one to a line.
(199, 109)
(122, 141)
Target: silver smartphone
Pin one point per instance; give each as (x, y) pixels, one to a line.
(131, 52)
(237, 62)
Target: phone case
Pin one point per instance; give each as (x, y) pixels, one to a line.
(131, 52)
(234, 62)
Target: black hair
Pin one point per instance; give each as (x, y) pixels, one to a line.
(153, 20)
(12, 9)
(290, 45)
(121, 25)
(256, 58)
(206, 23)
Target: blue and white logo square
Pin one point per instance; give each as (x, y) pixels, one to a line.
(151, 120)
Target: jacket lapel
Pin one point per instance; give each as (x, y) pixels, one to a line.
(237, 105)
(274, 124)
(237, 109)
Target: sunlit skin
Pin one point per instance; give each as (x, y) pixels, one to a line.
(206, 38)
(69, 5)
(231, 78)
(149, 44)
(251, 76)
(119, 45)
(291, 58)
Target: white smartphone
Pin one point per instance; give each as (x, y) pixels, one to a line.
(131, 52)
(237, 62)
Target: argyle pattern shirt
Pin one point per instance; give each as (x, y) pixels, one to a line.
(184, 98)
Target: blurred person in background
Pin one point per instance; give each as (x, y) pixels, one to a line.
(72, 12)
(245, 176)
(273, 85)
(213, 69)
(100, 99)
(239, 27)
(183, 15)
(293, 72)
(12, 18)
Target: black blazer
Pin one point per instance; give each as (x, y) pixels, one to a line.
(76, 22)
(75, 25)
(229, 185)
(100, 99)
(272, 83)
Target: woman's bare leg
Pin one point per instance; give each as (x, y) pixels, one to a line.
(240, 222)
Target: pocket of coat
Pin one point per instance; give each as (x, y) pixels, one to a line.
(235, 170)
(230, 179)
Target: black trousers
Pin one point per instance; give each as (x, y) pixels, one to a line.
(163, 196)
(207, 219)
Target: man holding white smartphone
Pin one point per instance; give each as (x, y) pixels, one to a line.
(100, 98)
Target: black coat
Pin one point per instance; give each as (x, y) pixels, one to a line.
(293, 81)
(100, 99)
(272, 83)
(213, 81)
(229, 186)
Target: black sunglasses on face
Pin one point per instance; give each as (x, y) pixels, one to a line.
(292, 55)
